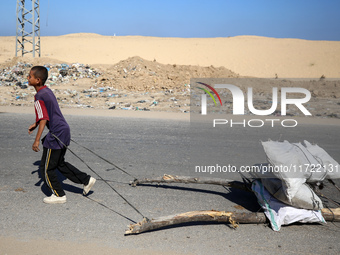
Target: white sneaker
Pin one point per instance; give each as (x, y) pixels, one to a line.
(88, 187)
(53, 199)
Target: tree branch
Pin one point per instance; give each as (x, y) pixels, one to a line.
(186, 179)
(195, 216)
(213, 216)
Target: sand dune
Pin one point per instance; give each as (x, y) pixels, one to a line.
(245, 55)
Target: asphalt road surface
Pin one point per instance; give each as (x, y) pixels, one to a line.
(146, 148)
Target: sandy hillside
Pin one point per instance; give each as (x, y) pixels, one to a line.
(246, 55)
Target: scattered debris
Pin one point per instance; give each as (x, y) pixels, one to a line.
(145, 85)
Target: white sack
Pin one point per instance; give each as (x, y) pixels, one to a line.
(304, 198)
(279, 213)
(332, 167)
(294, 164)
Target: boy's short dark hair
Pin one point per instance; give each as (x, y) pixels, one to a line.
(40, 72)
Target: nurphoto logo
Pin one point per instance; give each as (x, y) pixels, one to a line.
(282, 99)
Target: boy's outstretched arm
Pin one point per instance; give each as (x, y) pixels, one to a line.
(42, 124)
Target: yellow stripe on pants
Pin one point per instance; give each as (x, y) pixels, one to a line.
(46, 176)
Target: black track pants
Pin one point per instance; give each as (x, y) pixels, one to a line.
(54, 159)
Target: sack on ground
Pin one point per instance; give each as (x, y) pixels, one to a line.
(279, 213)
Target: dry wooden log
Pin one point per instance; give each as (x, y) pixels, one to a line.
(196, 216)
(213, 216)
(332, 214)
(186, 179)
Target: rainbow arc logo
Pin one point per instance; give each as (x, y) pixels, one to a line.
(208, 92)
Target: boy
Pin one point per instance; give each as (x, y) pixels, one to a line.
(54, 143)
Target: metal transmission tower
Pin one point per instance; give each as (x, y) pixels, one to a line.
(28, 28)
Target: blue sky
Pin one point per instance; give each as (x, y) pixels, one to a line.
(304, 19)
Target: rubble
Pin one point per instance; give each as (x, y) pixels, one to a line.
(79, 85)
(132, 84)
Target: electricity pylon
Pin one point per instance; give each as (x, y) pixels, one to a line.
(28, 28)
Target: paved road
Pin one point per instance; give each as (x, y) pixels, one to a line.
(149, 147)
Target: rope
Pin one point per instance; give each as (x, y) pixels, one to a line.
(332, 182)
(310, 163)
(107, 161)
(331, 212)
(99, 175)
(107, 183)
(112, 210)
